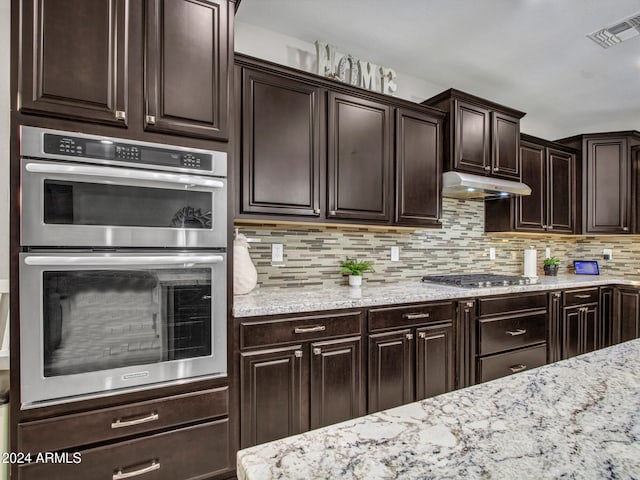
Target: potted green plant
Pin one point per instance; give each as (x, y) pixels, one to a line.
(551, 266)
(355, 268)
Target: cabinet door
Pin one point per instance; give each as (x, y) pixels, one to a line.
(560, 191)
(554, 339)
(335, 382)
(466, 343)
(607, 194)
(280, 145)
(273, 396)
(627, 314)
(74, 59)
(418, 160)
(359, 159)
(434, 360)
(472, 151)
(531, 210)
(505, 141)
(187, 67)
(605, 336)
(572, 332)
(591, 327)
(390, 369)
(635, 159)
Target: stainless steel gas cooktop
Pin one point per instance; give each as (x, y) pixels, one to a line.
(478, 280)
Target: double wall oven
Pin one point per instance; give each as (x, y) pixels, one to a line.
(123, 265)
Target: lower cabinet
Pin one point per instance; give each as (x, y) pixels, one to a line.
(410, 363)
(626, 321)
(580, 322)
(313, 380)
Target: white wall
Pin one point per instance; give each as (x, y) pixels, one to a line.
(5, 30)
(278, 48)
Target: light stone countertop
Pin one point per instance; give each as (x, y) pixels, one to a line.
(578, 418)
(273, 301)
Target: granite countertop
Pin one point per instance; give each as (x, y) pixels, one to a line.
(578, 418)
(272, 301)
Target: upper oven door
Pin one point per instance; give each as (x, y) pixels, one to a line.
(73, 205)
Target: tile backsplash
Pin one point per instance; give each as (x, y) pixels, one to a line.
(312, 253)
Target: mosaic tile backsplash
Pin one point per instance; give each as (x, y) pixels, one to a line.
(312, 253)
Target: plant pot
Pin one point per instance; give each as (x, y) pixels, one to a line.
(551, 270)
(355, 280)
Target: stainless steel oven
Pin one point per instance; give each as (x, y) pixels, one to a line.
(90, 191)
(94, 323)
(122, 266)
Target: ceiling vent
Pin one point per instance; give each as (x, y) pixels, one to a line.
(618, 32)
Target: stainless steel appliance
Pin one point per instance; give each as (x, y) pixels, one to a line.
(478, 280)
(91, 191)
(102, 308)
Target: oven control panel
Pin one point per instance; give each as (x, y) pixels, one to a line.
(120, 152)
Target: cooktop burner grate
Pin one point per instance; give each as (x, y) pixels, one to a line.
(478, 280)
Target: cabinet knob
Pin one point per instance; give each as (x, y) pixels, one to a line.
(439, 220)
(298, 353)
(497, 169)
(409, 336)
(151, 120)
(422, 335)
(625, 229)
(544, 226)
(317, 351)
(469, 304)
(557, 294)
(487, 168)
(121, 115)
(332, 212)
(316, 211)
(550, 227)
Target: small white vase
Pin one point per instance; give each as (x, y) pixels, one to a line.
(355, 280)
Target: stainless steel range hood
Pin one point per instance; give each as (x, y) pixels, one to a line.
(468, 186)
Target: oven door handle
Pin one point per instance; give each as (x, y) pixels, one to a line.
(47, 260)
(123, 173)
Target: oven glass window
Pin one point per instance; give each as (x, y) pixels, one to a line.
(103, 319)
(79, 203)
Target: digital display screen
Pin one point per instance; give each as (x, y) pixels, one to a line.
(100, 150)
(586, 267)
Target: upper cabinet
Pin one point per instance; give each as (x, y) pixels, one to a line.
(316, 150)
(549, 169)
(481, 137)
(608, 197)
(76, 59)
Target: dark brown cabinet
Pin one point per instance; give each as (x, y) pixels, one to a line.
(554, 337)
(511, 334)
(358, 159)
(607, 194)
(280, 145)
(466, 319)
(580, 322)
(74, 60)
(606, 329)
(187, 56)
(549, 169)
(296, 375)
(626, 323)
(411, 354)
(481, 137)
(418, 168)
(75, 64)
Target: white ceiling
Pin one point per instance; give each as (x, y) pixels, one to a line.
(532, 55)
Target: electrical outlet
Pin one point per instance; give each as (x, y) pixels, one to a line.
(395, 254)
(547, 252)
(277, 252)
(607, 253)
(492, 253)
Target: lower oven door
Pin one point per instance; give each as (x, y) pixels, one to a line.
(95, 323)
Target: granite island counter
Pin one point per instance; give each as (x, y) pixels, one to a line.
(578, 418)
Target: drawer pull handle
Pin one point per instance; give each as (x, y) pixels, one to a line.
(583, 296)
(319, 328)
(515, 333)
(518, 368)
(136, 421)
(415, 316)
(155, 465)
(422, 334)
(469, 304)
(317, 351)
(298, 353)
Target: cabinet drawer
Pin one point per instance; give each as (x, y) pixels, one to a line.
(512, 303)
(111, 423)
(262, 333)
(503, 364)
(190, 453)
(580, 297)
(506, 333)
(393, 317)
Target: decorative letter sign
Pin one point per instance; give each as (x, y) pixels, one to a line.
(354, 71)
